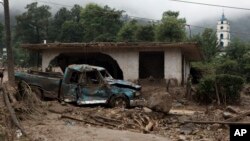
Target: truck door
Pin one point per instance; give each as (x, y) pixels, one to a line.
(70, 85)
(93, 90)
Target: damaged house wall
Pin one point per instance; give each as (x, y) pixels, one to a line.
(176, 57)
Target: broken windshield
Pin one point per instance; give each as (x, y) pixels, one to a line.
(105, 74)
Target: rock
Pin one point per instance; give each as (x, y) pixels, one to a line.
(227, 115)
(187, 129)
(183, 101)
(231, 109)
(182, 119)
(215, 127)
(147, 110)
(177, 104)
(160, 102)
(182, 138)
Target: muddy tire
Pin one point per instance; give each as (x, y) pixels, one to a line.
(119, 101)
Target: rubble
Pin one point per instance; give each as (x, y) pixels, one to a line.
(189, 122)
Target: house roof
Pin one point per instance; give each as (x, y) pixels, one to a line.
(190, 50)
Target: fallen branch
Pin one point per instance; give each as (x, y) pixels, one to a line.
(11, 111)
(106, 119)
(80, 120)
(105, 123)
(217, 122)
(12, 98)
(238, 117)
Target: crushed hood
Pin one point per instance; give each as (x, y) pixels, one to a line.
(123, 83)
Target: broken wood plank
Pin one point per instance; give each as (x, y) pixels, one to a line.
(218, 122)
(236, 118)
(149, 127)
(106, 118)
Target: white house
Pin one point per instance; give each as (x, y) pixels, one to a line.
(130, 61)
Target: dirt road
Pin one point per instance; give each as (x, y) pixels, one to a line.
(61, 131)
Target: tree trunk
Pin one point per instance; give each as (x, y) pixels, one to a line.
(10, 59)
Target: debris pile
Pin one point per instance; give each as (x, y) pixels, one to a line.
(129, 119)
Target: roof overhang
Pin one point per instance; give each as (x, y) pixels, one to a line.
(189, 49)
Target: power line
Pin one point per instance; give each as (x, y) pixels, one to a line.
(214, 5)
(203, 27)
(53, 3)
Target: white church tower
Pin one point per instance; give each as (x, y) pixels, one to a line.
(223, 32)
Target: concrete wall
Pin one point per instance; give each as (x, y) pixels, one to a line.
(128, 62)
(48, 56)
(173, 65)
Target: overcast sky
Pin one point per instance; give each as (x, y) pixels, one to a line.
(154, 8)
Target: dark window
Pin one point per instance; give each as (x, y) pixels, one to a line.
(151, 64)
(221, 36)
(221, 27)
(221, 22)
(74, 77)
(221, 44)
(92, 77)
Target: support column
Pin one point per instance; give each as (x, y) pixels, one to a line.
(173, 65)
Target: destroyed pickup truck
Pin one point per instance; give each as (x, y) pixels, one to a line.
(83, 84)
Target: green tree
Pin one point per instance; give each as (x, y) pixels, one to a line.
(60, 17)
(76, 13)
(33, 25)
(171, 28)
(71, 31)
(100, 23)
(208, 43)
(145, 33)
(236, 50)
(128, 31)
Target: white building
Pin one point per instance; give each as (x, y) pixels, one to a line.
(130, 61)
(223, 32)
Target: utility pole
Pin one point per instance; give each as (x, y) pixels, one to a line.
(10, 60)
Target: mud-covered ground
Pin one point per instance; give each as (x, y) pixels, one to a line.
(53, 121)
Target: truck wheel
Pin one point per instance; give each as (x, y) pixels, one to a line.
(119, 101)
(38, 92)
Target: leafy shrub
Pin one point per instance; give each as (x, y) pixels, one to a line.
(228, 67)
(206, 90)
(228, 87)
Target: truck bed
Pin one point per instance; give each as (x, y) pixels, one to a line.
(49, 83)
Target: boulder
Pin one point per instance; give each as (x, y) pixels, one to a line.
(227, 115)
(160, 102)
(146, 110)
